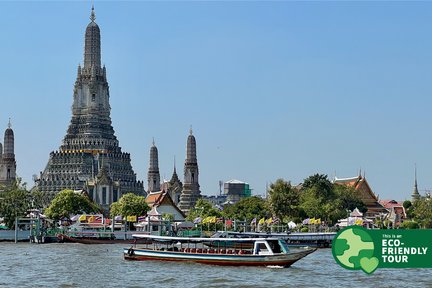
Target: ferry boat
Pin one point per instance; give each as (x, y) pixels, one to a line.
(262, 252)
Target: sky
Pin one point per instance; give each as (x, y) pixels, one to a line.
(272, 89)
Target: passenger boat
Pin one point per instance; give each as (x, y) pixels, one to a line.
(262, 252)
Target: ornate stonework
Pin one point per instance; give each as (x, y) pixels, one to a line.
(191, 192)
(7, 158)
(153, 176)
(90, 157)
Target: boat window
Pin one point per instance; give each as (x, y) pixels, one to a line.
(274, 245)
(262, 247)
(284, 246)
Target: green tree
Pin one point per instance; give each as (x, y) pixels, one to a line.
(409, 225)
(312, 203)
(129, 205)
(409, 208)
(247, 208)
(284, 200)
(321, 199)
(15, 201)
(321, 183)
(203, 209)
(422, 212)
(40, 200)
(67, 203)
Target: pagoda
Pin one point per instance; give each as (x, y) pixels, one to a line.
(90, 157)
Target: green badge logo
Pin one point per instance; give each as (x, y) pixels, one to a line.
(356, 248)
(353, 248)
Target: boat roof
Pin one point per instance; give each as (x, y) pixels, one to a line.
(197, 239)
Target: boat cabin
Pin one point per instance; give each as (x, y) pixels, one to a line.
(270, 247)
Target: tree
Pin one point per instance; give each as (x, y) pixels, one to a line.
(15, 202)
(321, 199)
(247, 209)
(321, 183)
(67, 203)
(203, 209)
(39, 199)
(422, 212)
(129, 205)
(284, 200)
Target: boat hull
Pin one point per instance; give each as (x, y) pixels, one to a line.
(283, 260)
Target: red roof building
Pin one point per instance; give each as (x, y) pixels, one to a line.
(361, 186)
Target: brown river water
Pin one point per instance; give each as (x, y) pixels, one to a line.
(78, 265)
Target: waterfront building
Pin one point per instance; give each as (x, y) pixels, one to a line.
(235, 190)
(90, 157)
(191, 192)
(153, 176)
(361, 186)
(162, 202)
(396, 212)
(7, 158)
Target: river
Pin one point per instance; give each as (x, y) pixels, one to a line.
(77, 265)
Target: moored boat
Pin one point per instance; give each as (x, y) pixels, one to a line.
(262, 252)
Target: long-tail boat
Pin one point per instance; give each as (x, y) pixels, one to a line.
(262, 252)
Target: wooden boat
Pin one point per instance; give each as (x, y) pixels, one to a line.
(263, 252)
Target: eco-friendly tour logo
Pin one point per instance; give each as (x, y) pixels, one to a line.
(356, 248)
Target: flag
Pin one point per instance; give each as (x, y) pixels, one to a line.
(212, 219)
(131, 218)
(90, 219)
(306, 221)
(141, 218)
(312, 220)
(269, 221)
(318, 221)
(208, 219)
(253, 221)
(219, 220)
(82, 218)
(261, 221)
(230, 222)
(197, 220)
(358, 222)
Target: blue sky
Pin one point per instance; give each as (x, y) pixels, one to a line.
(272, 89)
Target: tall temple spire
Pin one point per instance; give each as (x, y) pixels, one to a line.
(90, 148)
(415, 195)
(153, 176)
(92, 15)
(92, 47)
(191, 191)
(7, 157)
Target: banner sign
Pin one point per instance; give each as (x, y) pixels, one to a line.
(358, 248)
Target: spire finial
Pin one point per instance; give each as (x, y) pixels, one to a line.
(92, 15)
(174, 165)
(190, 130)
(415, 174)
(153, 142)
(9, 124)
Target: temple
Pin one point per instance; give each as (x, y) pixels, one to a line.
(361, 186)
(90, 157)
(7, 158)
(191, 192)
